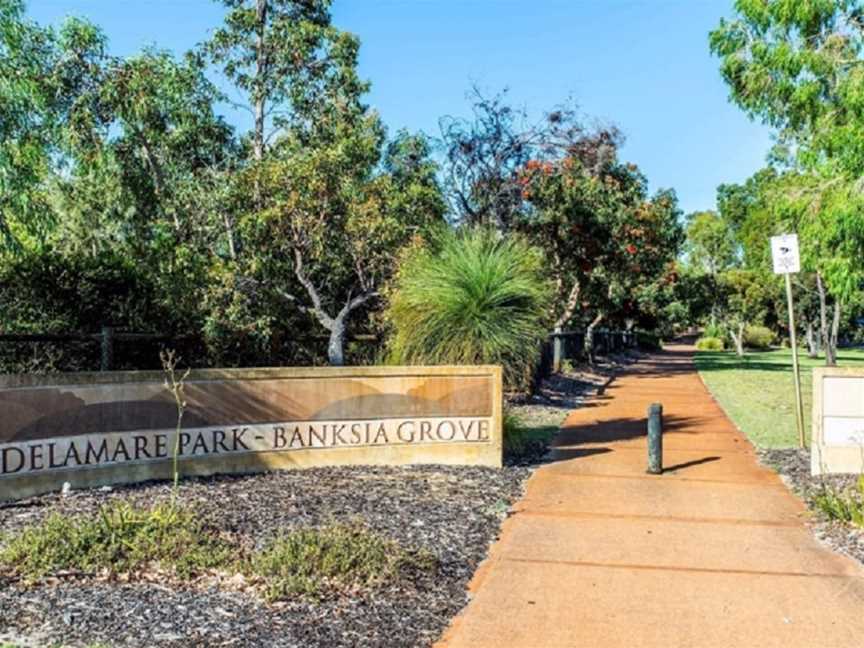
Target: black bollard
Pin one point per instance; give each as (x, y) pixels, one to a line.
(655, 439)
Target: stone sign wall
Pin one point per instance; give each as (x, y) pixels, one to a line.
(838, 421)
(120, 427)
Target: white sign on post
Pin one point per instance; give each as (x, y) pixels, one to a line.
(784, 253)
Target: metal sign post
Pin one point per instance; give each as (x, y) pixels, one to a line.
(784, 253)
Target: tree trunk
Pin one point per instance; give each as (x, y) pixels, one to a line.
(589, 338)
(812, 341)
(738, 339)
(829, 335)
(229, 231)
(831, 349)
(336, 344)
(569, 306)
(823, 319)
(259, 98)
(335, 325)
(157, 176)
(260, 74)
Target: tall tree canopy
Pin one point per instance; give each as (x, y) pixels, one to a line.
(711, 242)
(45, 81)
(798, 66)
(290, 63)
(128, 155)
(561, 183)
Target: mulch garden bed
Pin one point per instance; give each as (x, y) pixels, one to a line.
(793, 466)
(455, 512)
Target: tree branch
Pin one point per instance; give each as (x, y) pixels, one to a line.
(359, 300)
(317, 307)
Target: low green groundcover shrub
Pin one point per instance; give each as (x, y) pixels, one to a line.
(123, 538)
(709, 344)
(758, 337)
(309, 562)
(471, 297)
(120, 538)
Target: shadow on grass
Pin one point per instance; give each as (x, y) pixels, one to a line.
(763, 361)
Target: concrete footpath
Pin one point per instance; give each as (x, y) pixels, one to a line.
(714, 552)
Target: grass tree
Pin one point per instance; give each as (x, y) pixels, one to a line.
(471, 297)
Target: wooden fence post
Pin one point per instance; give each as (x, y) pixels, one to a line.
(557, 350)
(107, 344)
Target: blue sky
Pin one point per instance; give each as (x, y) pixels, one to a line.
(643, 66)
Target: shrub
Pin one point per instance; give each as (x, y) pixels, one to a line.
(309, 562)
(124, 539)
(844, 505)
(47, 292)
(758, 337)
(471, 297)
(709, 344)
(120, 538)
(714, 331)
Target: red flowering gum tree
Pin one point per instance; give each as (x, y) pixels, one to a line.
(604, 236)
(560, 183)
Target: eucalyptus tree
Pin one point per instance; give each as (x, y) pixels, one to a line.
(797, 65)
(45, 78)
(711, 247)
(332, 201)
(711, 243)
(146, 158)
(287, 61)
(748, 299)
(335, 219)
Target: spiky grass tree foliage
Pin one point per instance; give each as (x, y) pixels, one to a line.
(471, 297)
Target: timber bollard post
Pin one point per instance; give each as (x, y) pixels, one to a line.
(655, 439)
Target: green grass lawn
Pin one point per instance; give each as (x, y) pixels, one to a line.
(758, 393)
